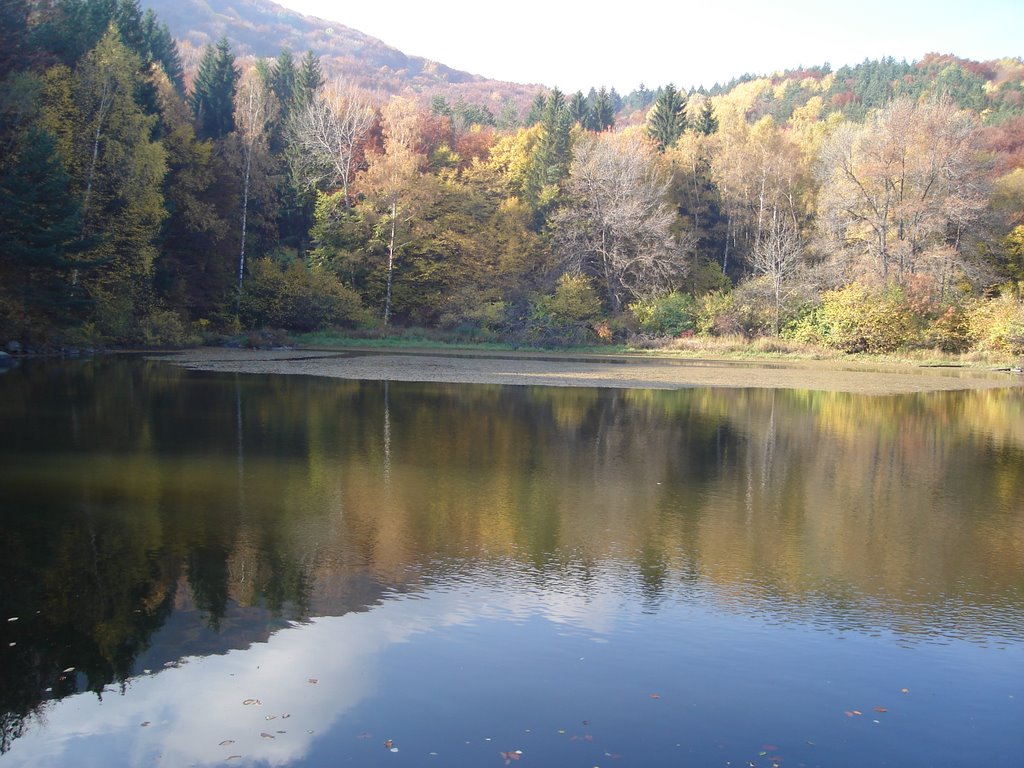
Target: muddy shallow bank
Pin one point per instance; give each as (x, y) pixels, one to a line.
(591, 371)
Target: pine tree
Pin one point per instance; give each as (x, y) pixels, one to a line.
(602, 113)
(309, 79)
(550, 161)
(14, 31)
(163, 50)
(667, 118)
(578, 111)
(282, 80)
(706, 122)
(213, 95)
(536, 113)
(41, 224)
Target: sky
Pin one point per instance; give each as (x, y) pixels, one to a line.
(576, 45)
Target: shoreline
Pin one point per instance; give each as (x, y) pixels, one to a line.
(576, 370)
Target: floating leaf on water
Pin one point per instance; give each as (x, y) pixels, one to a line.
(266, 735)
(69, 669)
(226, 742)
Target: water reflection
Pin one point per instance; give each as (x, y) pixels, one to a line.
(152, 514)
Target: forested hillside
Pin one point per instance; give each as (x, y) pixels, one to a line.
(142, 201)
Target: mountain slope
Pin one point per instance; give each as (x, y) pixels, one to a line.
(262, 28)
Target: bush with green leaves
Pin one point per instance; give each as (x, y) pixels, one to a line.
(858, 318)
(565, 317)
(997, 325)
(298, 298)
(670, 315)
(164, 328)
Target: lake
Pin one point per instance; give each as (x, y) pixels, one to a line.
(209, 568)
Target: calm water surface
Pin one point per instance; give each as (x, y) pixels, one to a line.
(205, 569)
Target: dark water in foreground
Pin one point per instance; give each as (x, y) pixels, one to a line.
(204, 569)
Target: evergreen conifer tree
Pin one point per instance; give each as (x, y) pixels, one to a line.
(309, 79)
(213, 95)
(667, 118)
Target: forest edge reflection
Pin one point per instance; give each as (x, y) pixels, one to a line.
(153, 513)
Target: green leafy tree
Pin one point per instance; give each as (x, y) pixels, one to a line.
(667, 118)
(117, 171)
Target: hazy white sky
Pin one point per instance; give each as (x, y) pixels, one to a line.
(575, 45)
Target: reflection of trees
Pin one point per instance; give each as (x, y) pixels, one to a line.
(266, 497)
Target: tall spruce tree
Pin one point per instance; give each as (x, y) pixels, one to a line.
(602, 112)
(667, 118)
(163, 50)
(706, 122)
(41, 224)
(309, 79)
(578, 110)
(213, 95)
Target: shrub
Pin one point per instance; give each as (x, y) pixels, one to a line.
(574, 301)
(716, 315)
(860, 319)
(164, 328)
(565, 317)
(670, 315)
(997, 325)
(298, 298)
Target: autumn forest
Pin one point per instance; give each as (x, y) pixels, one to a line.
(146, 200)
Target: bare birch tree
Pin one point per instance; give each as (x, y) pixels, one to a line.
(253, 106)
(776, 254)
(325, 136)
(617, 224)
(903, 189)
